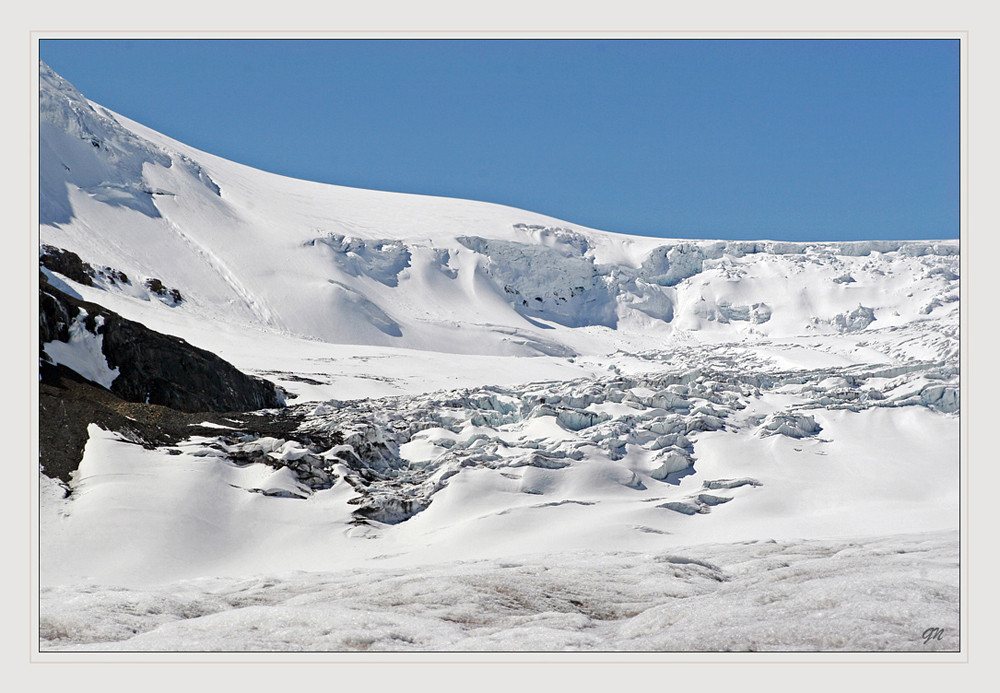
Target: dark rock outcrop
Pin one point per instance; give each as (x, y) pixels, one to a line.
(68, 403)
(155, 368)
(72, 266)
(66, 263)
(54, 316)
(157, 287)
(159, 369)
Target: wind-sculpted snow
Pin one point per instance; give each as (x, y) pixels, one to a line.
(83, 350)
(342, 294)
(100, 156)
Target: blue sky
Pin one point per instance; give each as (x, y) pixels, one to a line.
(781, 139)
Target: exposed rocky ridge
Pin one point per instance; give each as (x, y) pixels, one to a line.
(72, 266)
(155, 368)
(68, 403)
(66, 263)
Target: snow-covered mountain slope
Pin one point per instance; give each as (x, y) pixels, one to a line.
(349, 266)
(473, 382)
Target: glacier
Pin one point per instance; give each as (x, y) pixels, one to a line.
(484, 429)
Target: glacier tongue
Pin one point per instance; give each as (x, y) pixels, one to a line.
(397, 453)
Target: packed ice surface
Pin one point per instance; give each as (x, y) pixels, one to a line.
(857, 595)
(512, 432)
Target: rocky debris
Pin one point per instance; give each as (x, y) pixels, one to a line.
(155, 368)
(71, 266)
(68, 403)
(307, 459)
(66, 263)
(114, 276)
(172, 296)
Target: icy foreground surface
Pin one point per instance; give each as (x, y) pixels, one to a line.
(751, 596)
(504, 432)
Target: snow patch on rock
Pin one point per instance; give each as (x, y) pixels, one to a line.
(84, 351)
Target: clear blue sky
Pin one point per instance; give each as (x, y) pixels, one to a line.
(781, 139)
